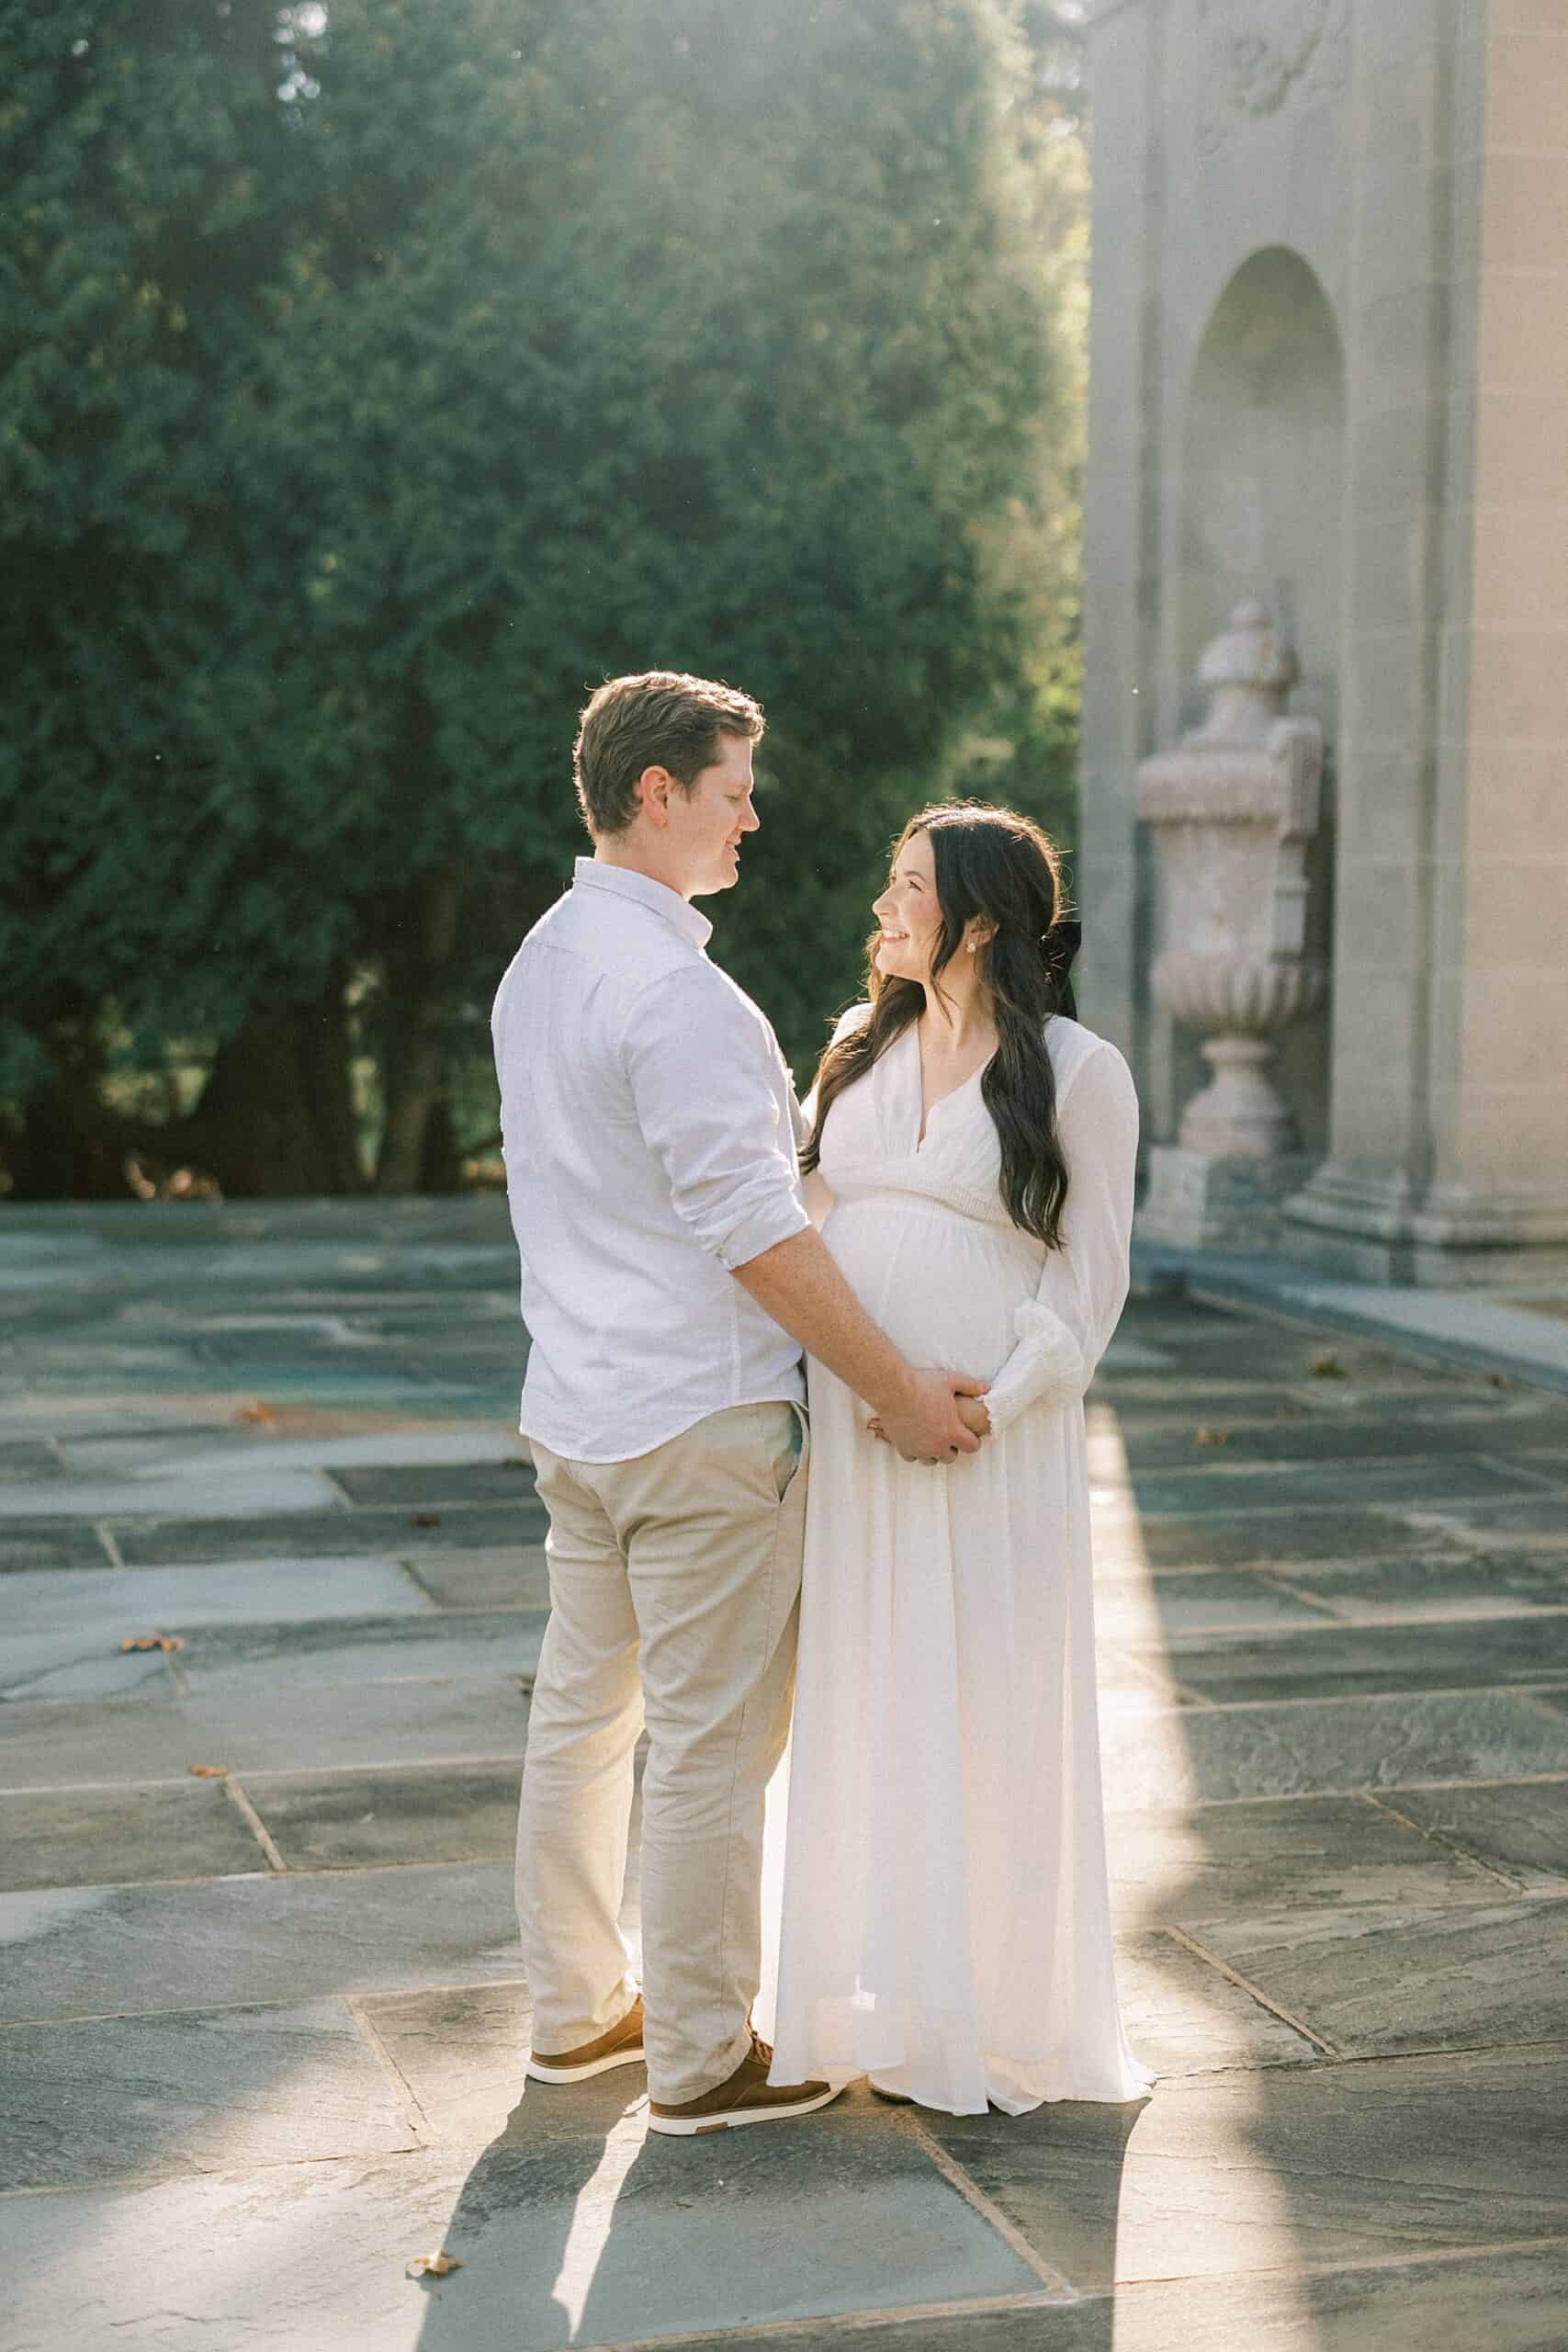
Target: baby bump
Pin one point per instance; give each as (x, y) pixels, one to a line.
(942, 1288)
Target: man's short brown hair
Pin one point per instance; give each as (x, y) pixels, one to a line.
(661, 718)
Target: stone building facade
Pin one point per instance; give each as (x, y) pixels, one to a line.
(1329, 373)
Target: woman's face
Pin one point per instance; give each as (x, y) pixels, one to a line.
(909, 913)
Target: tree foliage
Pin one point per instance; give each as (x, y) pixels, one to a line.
(374, 379)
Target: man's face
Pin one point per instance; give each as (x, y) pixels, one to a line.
(707, 823)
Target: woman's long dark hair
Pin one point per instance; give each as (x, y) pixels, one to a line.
(993, 863)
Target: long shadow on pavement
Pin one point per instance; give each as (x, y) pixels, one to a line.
(619, 2237)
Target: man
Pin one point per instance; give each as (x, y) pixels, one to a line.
(670, 1278)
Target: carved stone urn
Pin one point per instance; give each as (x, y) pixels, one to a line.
(1233, 809)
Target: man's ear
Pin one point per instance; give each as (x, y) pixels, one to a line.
(654, 787)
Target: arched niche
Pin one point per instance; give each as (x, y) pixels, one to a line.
(1262, 470)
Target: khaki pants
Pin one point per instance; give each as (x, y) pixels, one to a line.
(674, 1599)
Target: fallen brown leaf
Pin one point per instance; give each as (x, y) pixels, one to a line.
(1328, 1368)
(425, 1519)
(433, 2266)
(151, 1642)
(1212, 1437)
(255, 1413)
(207, 1771)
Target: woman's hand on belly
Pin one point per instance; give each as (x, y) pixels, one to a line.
(975, 1414)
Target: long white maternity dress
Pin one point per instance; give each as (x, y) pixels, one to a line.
(946, 1921)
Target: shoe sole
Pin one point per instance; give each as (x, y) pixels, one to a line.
(631, 2056)
(681, 2127)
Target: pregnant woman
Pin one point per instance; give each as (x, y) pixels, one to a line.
(946, 1921)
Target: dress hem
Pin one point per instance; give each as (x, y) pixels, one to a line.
(840, 2077)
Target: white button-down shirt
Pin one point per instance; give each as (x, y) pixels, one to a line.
(650, 1131)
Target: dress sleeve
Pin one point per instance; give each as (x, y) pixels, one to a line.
(1062, 1332)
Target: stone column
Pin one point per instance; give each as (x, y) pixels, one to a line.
(1448, 1158)
(1122, 588)
(1498, 1195)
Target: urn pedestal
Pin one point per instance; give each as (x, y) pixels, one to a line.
(1233, 808)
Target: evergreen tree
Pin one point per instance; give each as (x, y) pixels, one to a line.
(382, 378)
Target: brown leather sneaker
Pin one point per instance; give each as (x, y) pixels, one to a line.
(747, 2098)
(622, 2046)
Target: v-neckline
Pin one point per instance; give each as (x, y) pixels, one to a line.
(925, 1114)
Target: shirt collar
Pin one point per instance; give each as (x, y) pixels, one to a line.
(626, 883)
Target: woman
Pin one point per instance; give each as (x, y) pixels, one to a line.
(946, 1923)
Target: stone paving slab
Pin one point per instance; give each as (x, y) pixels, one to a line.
(507, 1481)
(1131, 1679)
(78, 1665)
(102, 1836)
(199, 2092)
(175, 1543)
(1244, 1859)
(87, 1951)
(205, 1451)
(57, 1362)
(1373, 1982)
(1543, 1521)
(72, 1743)
(1514, 1332)
(1443, 1588)
(23, 1462)
(65, 1743)
(1128, 1538)
(345, 1820)
(1209, 1755)
(234, 1494)
(1126, 1354)
(1400, 1436)
(461, 2049)
(1211, 1600)
(1184, 2018)
(184, 1419)
(327, 1640)
(1336, 1661)
(574, 2243)
(1137, 1410)
(501, 1575)
(28, 1545)
(114, 1602)
(1516, 1827)
(1314, 2165)
(1425, 1483)
(361, 1650)
(1512, 2301)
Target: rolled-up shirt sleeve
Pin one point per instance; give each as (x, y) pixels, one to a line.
(713, 1101)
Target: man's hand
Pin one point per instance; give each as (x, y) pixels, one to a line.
(797, 1283)
(938, 1421)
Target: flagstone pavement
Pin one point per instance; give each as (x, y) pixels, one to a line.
(262, 2019)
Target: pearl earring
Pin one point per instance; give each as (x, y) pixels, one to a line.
(972, 946)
